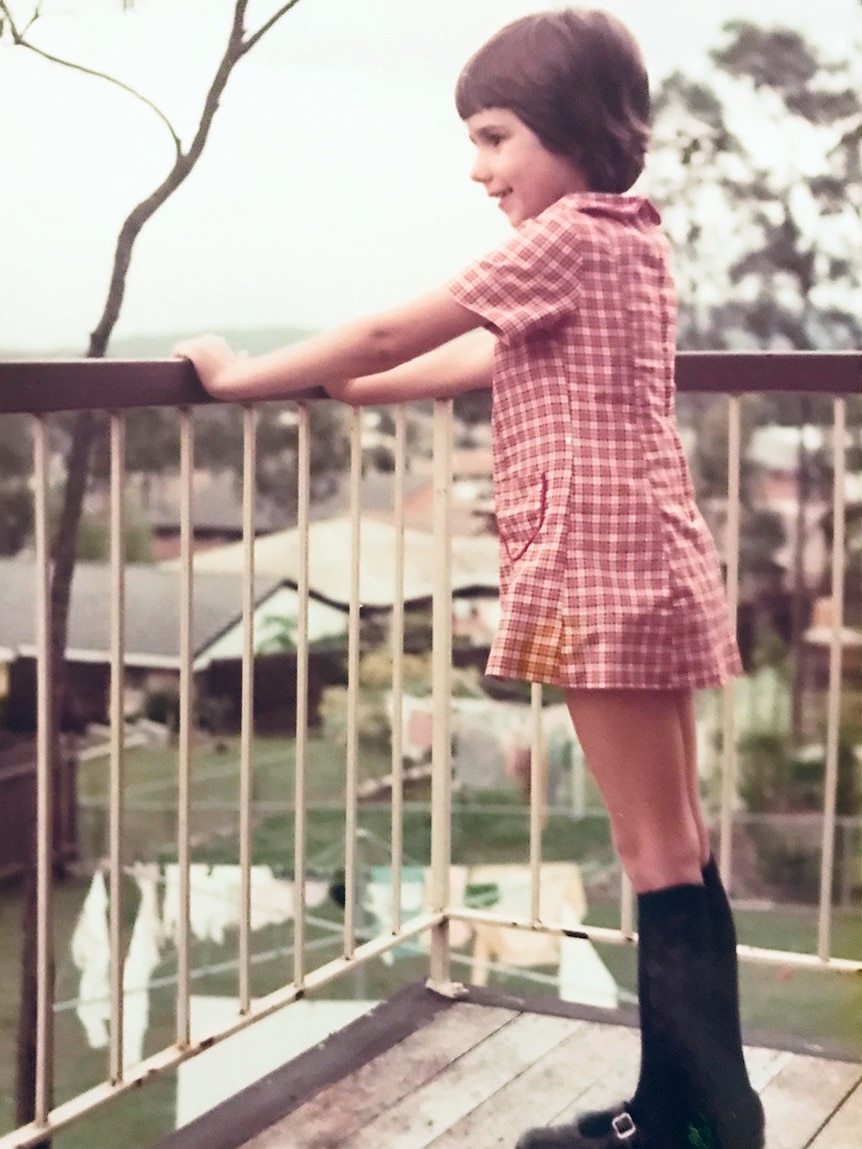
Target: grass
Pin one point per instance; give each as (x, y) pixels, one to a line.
(485, 828)
(812, 1006)
(152, 792)
(136, 1120)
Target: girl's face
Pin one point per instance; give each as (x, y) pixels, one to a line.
(516, 168)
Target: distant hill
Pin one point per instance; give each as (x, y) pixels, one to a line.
(254, 341)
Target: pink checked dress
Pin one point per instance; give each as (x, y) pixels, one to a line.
(608, 574)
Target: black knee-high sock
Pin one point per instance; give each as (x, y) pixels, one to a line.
(693, 1091)
(724, 947)
(741, 1098)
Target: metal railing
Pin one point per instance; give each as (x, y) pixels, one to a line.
(40, 388)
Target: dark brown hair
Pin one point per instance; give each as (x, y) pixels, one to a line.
(577, 79)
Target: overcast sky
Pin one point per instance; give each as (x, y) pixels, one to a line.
(336, 177)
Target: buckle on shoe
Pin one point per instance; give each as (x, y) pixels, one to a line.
(623, 1126)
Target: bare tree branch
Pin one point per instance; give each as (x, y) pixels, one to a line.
(19, 38)
(37, 12)
(236, 48)
(78, 464)
(262, 31)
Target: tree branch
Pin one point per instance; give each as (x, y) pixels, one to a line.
(236, 48)
(19, 39)
(64, 547)
(262, 31)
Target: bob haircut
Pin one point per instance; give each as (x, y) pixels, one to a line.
(576, 78)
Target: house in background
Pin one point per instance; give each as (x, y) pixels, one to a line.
(474, 561)
(216, 508)
(152, 618)
(152, 627)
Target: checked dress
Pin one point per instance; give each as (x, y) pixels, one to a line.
(608, 574)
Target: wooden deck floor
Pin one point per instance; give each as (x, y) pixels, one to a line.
(424, 1072)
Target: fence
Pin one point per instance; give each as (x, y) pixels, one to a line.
(41, 388)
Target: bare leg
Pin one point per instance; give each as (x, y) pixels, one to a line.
(692, 1088)
(689, 738)
(635, 743)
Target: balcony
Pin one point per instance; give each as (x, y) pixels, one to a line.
(441, 1061)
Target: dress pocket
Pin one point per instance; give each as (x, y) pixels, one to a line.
(521, 512)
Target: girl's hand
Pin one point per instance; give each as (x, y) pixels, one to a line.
(364, 347)
(211, 356)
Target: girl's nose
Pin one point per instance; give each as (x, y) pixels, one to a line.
(479, 171)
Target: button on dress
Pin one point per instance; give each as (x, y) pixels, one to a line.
(609, 576)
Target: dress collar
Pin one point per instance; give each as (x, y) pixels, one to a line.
(634, 208)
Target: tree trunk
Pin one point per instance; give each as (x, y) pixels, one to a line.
(63, 556)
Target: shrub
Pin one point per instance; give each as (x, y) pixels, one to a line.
(164, 706)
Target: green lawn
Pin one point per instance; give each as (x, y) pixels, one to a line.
(135, 1121)
(814, 1006)
(151, 790)
(478, 834)
(486, 827)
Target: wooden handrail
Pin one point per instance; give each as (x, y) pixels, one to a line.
(38, 386)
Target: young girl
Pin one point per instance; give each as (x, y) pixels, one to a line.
(609, 584)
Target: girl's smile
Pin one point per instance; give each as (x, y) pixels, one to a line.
(516, 168)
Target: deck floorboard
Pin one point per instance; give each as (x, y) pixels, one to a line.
(477, 1072)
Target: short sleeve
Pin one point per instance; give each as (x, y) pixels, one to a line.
(528, 283)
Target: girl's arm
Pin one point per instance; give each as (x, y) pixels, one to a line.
(465, 364)
(364, 347)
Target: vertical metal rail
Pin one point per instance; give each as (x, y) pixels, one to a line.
(117, 722)
(627, 906)
(246, 765)
(351, 775)
(728, 709)
(303, 499)
(397, 639)
(833, 707)
(538, 799)
(185, 731)
(44, 783)
(441, 677)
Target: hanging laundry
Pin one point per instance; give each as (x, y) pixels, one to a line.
(91, 954)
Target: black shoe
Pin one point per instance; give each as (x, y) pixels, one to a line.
(617, 1131)
(615, 1128)
(693, 1091)
(598, 1122)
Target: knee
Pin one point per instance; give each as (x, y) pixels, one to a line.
(654, 860)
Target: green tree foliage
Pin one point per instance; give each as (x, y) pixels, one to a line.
(696, 173)
(768, 226)
(758, 172)
(775, 780)
(218, 447)
(16, 510)
(153, 446)
(94, 536)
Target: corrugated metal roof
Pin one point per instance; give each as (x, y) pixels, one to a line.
(152, 616)
(474, 561)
